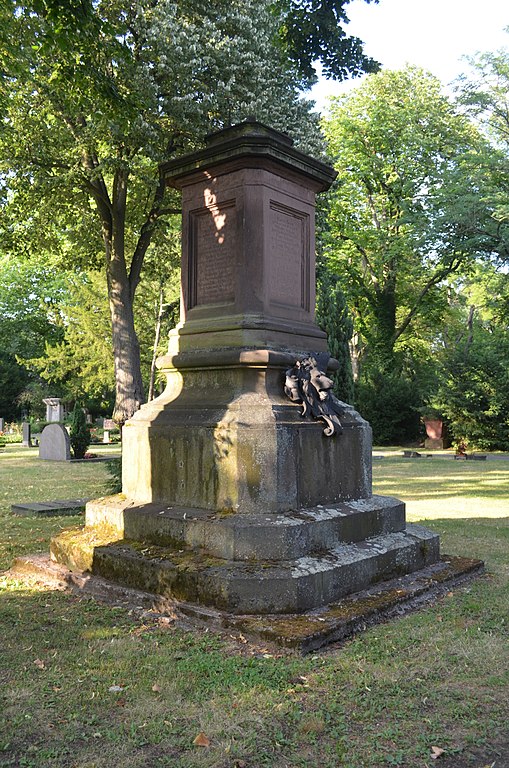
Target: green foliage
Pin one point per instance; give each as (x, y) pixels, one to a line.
(313, 31)
(12, 433)
(79, 365)
(79, 432)
(390, 402)
(334, 318)
(407, 213)
(485, 95)
(30, 318)
(474, 391)
(13, 380)
(401, 151)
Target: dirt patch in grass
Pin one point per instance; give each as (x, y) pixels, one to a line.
(489, 755)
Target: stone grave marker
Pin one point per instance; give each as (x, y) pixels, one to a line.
(108, 424)
(251, 476)
(26, 435)
(54, 409)
(54, 444)
(2, 424)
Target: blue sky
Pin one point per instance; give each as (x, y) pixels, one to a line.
(433, 34)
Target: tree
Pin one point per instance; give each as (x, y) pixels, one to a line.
(334, 318)
(79, 432)
(485, 94)
(78, 364)
(313, 30)
(406, 214)
(403, 156)
(88, 128)
(472, 352)
(30, 297)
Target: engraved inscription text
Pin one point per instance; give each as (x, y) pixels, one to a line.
(212, 257)
(289, 256)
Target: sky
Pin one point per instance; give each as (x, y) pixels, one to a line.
(433, 34)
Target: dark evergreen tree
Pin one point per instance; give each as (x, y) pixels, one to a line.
(79, 433)
(334, 318)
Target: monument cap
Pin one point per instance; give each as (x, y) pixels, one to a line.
(248, 144)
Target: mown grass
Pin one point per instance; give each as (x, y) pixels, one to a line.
(87, 686)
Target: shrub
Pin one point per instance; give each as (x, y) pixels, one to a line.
(391, 405)
(13, 433)
(79, 432)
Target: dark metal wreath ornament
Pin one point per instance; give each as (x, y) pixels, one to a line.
(307, 383)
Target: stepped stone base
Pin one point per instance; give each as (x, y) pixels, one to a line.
(252, 564)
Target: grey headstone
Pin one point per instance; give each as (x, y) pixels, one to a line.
(2, 424)
(55, 444)
(27, 435)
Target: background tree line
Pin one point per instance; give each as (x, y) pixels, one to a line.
(413, 244)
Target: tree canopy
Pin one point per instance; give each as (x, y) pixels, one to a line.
(98, 110)
(408, 211)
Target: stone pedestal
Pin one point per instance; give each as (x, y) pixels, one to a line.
(26, 435)
(230, 497)
(54, 409)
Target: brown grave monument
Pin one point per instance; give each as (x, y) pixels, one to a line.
(232, 499)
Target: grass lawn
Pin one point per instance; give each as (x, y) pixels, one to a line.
(87, 686)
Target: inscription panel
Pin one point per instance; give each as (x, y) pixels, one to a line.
(212, 255)
(289, 256)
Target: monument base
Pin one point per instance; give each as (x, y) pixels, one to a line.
(233, 501)
(249, 564)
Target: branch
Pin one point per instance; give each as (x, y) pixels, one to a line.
(146, 232)
(434, 280)
(365, 261)
(90, 163)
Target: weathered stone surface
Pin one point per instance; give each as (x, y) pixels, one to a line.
(49, 508)
(27, 435)
(231, 499)
(303, 632)
(252, 587)
(54, 409)
(249, 446)
(259, 536)
(54, 444)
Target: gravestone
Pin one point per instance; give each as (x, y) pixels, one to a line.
(54, 444)
(246, 485)
(26, 435)
(54, 409)
(2, 424)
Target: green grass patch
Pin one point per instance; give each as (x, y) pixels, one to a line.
(85, 685)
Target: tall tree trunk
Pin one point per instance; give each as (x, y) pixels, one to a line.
(122, 283)
(126, 350)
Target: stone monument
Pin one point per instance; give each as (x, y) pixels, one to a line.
(54, 409)
(246, 485)
(26, 439)
(54, 444)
